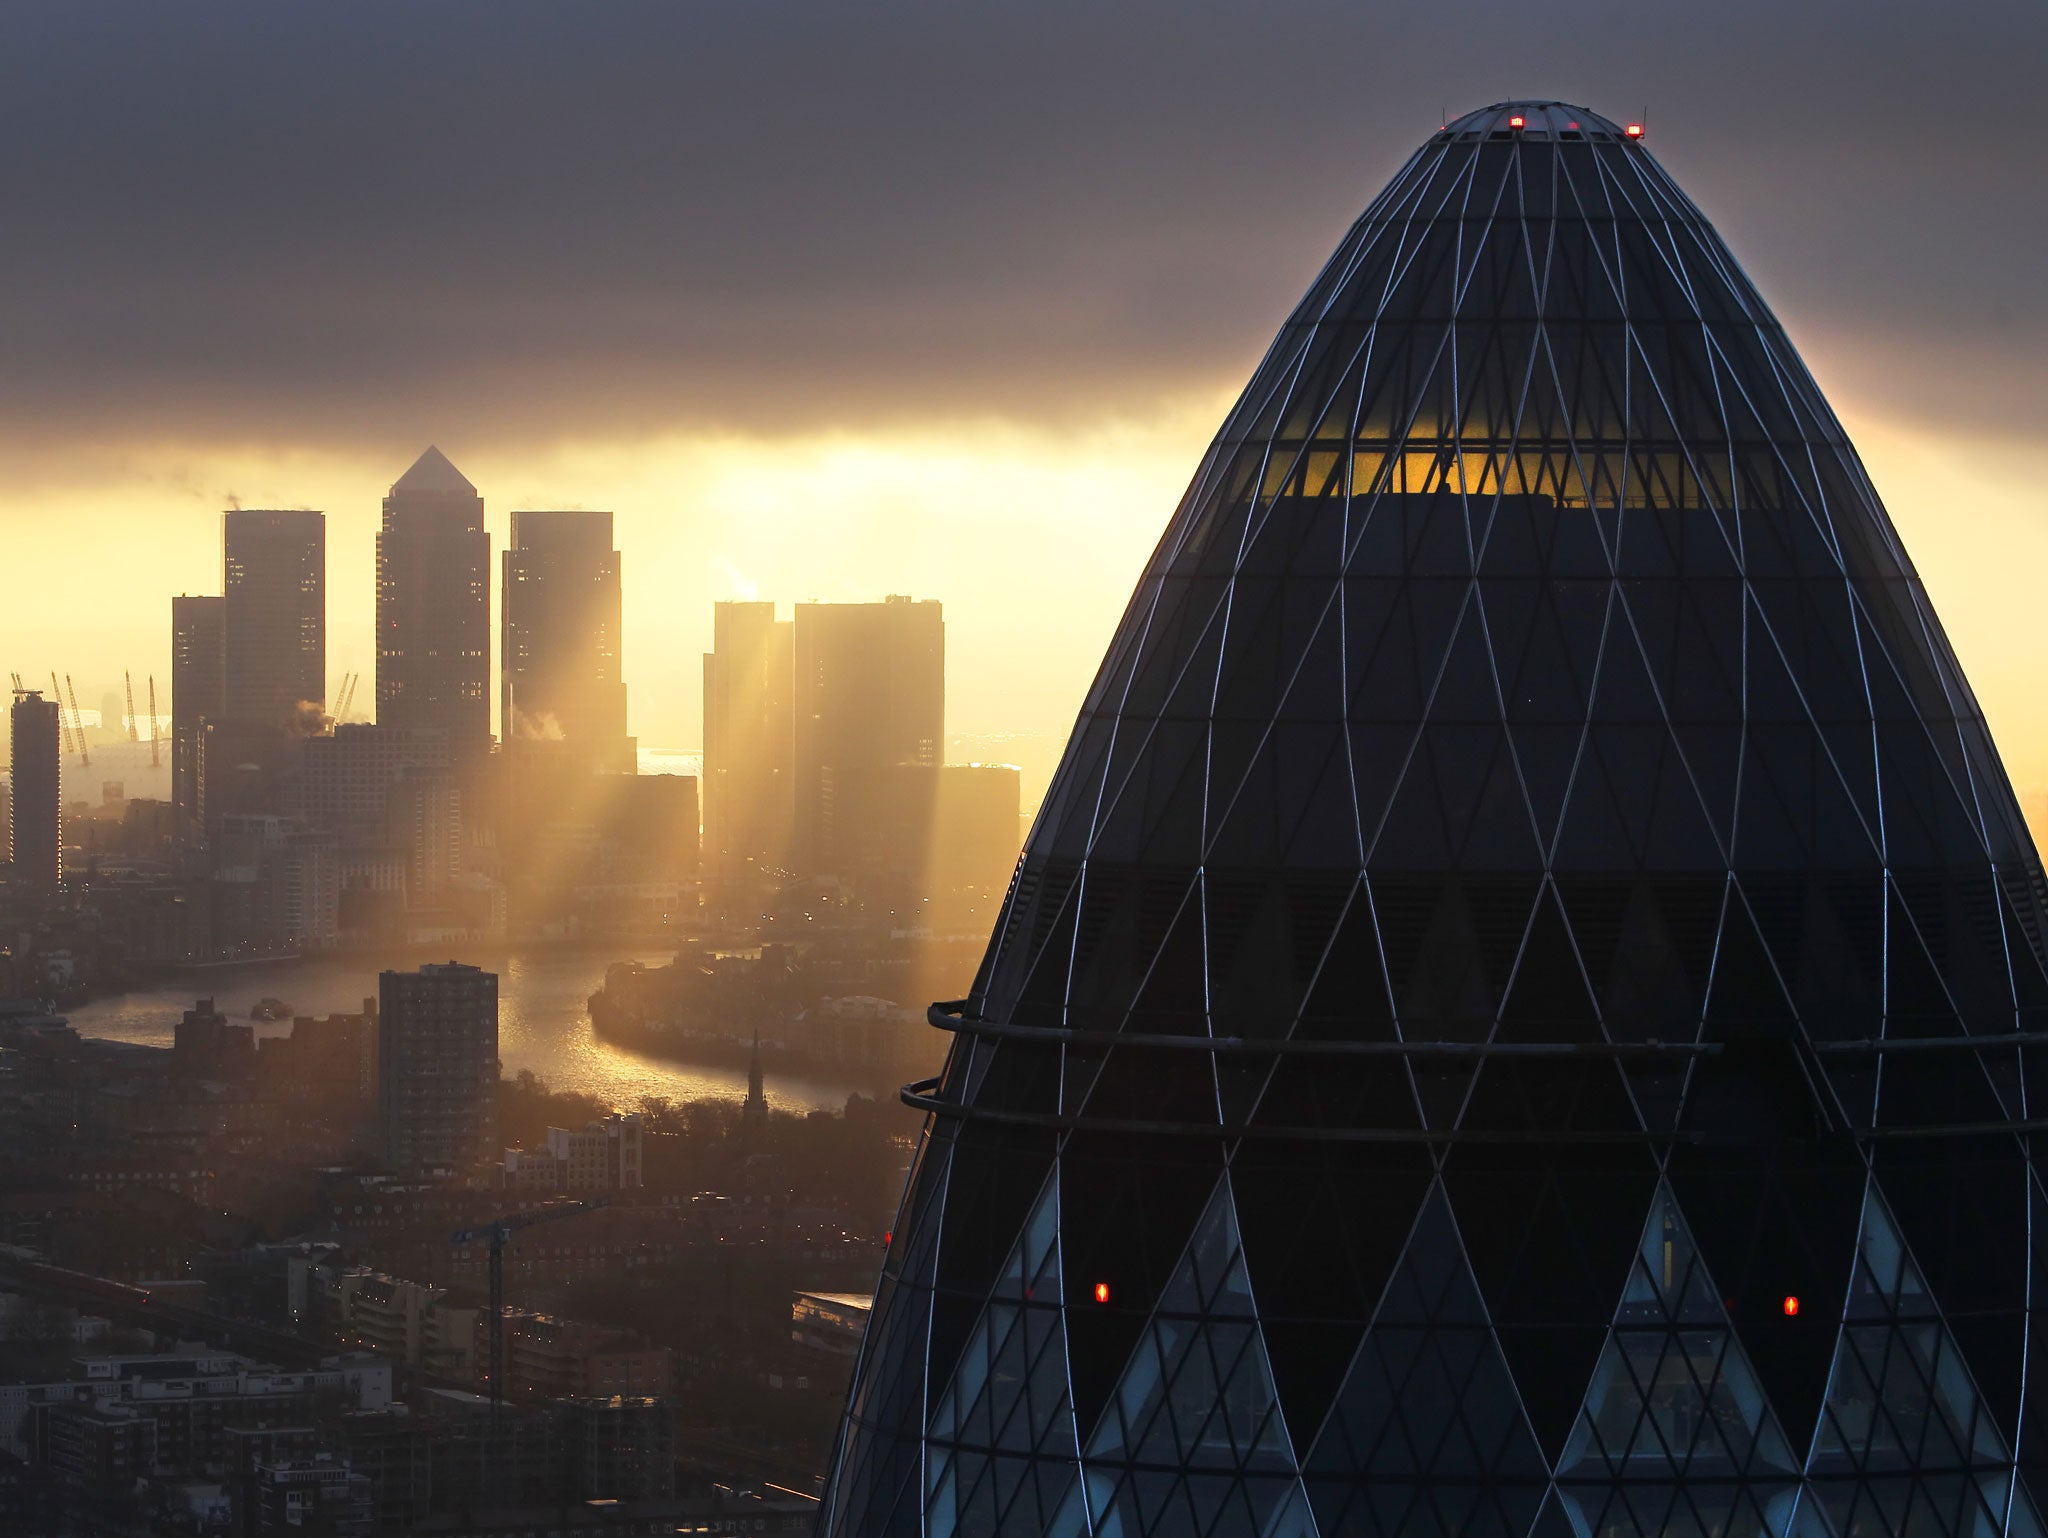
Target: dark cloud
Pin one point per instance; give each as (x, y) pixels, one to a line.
(492, 221)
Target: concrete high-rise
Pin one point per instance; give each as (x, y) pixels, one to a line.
(198, 694)
(434, 607)
(274, 625)
(560, 650)
(437, 1057)
(35, 806)
(869, 693)
(749, 751)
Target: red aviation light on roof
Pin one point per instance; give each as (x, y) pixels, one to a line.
(1791, 1306)
(1102, 1292)
(1517, 122)
(1634, 130)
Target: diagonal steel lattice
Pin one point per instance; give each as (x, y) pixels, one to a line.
(1521, 1011)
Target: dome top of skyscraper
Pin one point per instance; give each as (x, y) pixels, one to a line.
(432, 471)
(1538, 119)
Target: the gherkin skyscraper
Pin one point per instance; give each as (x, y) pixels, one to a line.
(1524, 1009)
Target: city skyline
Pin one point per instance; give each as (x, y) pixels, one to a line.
(823, 846)
(994, 356)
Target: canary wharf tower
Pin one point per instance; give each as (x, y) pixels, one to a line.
(1523, 1012)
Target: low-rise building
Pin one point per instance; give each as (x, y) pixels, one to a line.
(604, 1155)
(568, 1359)
(622, 1448)
(412, 1321)
(830, 1323)
(192, 1399)
(315, 1493)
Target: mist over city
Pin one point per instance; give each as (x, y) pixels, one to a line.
(902, 771)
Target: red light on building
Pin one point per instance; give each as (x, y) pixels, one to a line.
(888, 1237)
(1634, 130)
(1516, 122)
(1102, 1292)
(1791, 1307)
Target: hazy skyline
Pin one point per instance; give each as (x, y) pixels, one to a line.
(830, 304)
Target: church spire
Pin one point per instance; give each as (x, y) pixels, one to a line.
(754, 1113)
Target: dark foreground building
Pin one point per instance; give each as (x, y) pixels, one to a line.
(1522, 1011)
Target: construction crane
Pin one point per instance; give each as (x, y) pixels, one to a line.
(496, 1234)
(345, 697)
(128, 682)
(154, 760)
(78, 721)
(63, 725)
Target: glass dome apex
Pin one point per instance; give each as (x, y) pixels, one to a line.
(1539, 117)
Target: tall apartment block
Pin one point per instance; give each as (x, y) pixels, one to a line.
(749, 751)
(274, 623)
(869, 694)
(434, 607)
(560, 649)
(35, 806)
(437, 1037)
(198, 695)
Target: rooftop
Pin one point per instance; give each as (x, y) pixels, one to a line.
(1538, 120)
(432, 471)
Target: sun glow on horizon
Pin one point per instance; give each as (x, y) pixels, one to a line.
(1032, 539)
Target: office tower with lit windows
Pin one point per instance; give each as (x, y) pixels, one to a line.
(35, 791)
(434, 607)
(869, 694)
(749, 754)
(198, 695)
(1523, 1010)
(274, 620)
(560, 654)
(437, 1063)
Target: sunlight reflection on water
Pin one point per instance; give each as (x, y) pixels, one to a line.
(542, 1023)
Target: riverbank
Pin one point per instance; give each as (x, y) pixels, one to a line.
(880, 1073)
(543, 1021)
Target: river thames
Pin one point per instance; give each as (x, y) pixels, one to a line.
(542, 1023)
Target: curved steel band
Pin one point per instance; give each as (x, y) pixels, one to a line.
(952, 1016)
(922, 1096)
(948, 1018)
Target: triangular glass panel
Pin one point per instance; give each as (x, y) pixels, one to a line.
(1428, 1397)
(1198, 1389)
(1674, 1396)
(1902, 1398)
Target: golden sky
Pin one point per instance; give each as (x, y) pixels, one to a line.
(838, 302)
(1032, 539)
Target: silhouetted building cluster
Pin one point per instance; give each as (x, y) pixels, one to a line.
(293, 825)
(824, 755)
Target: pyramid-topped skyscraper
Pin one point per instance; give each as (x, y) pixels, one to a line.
(434, 607)
(1522, 1010)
